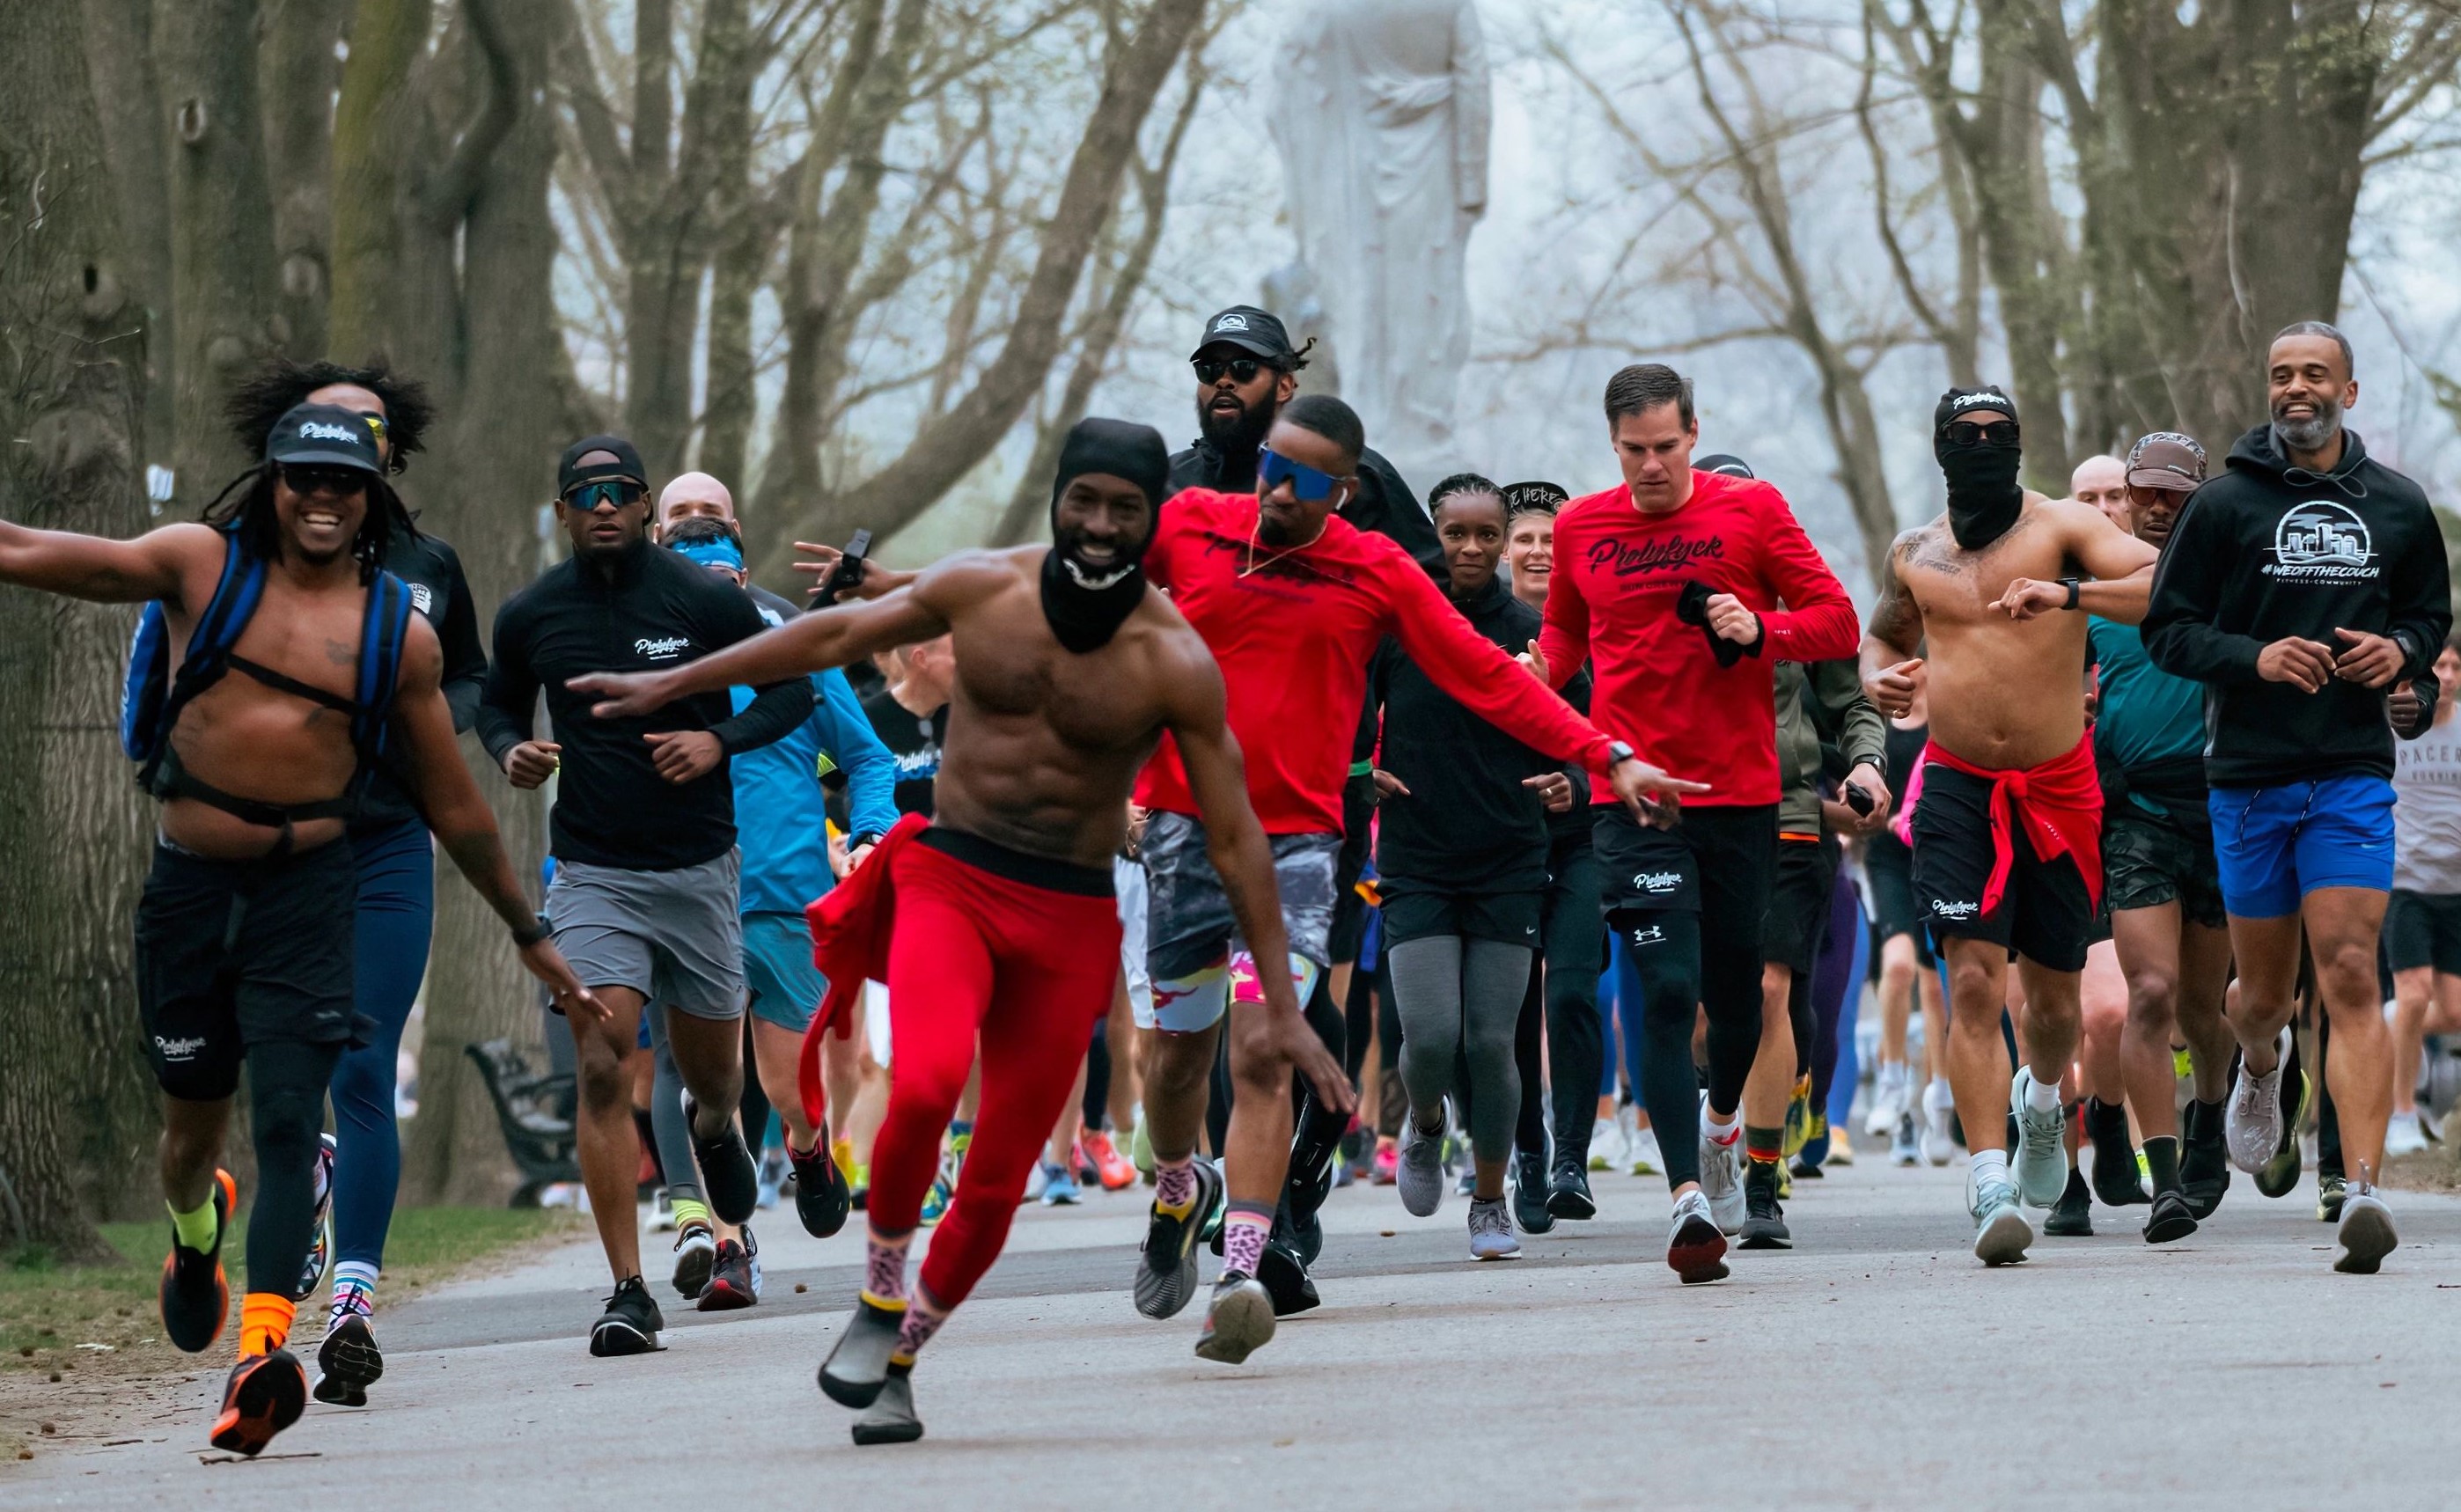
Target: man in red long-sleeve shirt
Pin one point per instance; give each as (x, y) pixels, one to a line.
(1293, 602)
(1668, 586)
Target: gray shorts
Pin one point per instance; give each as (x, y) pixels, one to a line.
(671, 936)
(1187, 918)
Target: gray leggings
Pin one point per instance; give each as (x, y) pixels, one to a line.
(1459, 1000)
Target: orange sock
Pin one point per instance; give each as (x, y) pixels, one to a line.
(264, 1322)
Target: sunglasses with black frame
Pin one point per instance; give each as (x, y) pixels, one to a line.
(1981, 433)
(307, 479)
(621, 492)
(1242, 369)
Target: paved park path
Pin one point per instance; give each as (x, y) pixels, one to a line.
(1875, 1365)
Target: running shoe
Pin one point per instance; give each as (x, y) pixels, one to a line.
(1841, 1147)
(1038, 1176)
(195, 1293)
(1386, 1168)
(773, 1177)
(632, 1323)
(2365, 1235)
(1490, 1231)
(1798, 1119)
(1422, 1176)
(858, 1365)
(2331, 1193)
(347, 1362)
(1642, 1155)
(1238, 1321)
(1532, 1192)
(1567, 1195)
(823, 1197)
(2117, 1181)
(265, 1395)
(1763, 1220)
(320, 1246)
(1607, 1149)
(1904, 1149)
(2041, 1164)
(944, 1185)
(2072, 1215)
(2251, 1127)
(2281, 1173)
(662, 1212)
(2000, 1232)
(1166, 1266)
(1892, 1089)
(1696, 1250)
(2403, 1136)
(891, 1417)
(1141, 1147)
(728, 1176)
(1722, 1173)
(734, 1278)
(2170, 1219)
(1283, 1271)
(2204, 1162)
(1111, 1169)
(1060, 1186)
(695, 1257)
(1467, 1182)
(1939, 1112)
(1082, 1166)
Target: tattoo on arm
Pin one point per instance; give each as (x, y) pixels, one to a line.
(1895, 620)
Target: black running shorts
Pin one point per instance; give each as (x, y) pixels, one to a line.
(2147, 862)
(1799, 903)
(2423, 929)
(1726, 855)
(2045, 913)
(1414, 911)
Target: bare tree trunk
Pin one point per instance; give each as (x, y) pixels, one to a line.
(120, 63)
(298, 69)
(73, 1103)
(222, 224)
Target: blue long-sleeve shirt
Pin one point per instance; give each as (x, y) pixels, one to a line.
(781, 813)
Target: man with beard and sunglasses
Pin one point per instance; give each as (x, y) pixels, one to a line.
(1293, 602)
(2300, 586)
(281, 667)
(2007, 829)
(645, 896)
(995, 926)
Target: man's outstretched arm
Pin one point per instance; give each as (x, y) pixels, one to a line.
(99, 568)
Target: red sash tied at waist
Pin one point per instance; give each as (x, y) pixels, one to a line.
(2059, 803)
(851, 926)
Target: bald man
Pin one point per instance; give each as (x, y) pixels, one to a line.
(2099, 480)
(698, 496)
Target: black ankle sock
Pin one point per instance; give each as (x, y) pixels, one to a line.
(2162, 1158)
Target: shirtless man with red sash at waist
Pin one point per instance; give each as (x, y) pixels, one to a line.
(2007, 830)
(995, 925)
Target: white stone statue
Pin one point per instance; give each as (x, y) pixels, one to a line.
(1380, 118)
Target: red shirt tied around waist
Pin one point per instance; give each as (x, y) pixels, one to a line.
(1618, 572)
(2059, 803)
(1294, 628)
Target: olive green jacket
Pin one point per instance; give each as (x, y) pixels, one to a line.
(1822, 701)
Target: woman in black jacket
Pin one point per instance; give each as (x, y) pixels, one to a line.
(1462, 851)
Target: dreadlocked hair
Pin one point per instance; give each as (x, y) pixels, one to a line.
(258, 401)
(245, 508)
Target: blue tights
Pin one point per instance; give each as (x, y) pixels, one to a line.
(396, 917)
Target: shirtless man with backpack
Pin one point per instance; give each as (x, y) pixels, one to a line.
(244, 932)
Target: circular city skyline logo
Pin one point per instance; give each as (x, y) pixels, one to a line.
(2320, 539)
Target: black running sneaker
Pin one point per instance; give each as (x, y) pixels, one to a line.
(196, 1294)
(891, 1417)
(859, 1363)
(735, 1280)
(2170, 1219)
(2204, 1162)
(2116, 1182)
(265, 1393)
(1531, 1191)
(1567, 1195)
(632, 1323)
(2072, 1215)
(347, 1362)
(729, 1177)
(1286, 1279)
(823, 1198)
(1763, 1220)
(1166, 1266)
(1302, 1231)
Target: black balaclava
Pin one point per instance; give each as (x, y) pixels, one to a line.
(1983, 496)
(1085, 604)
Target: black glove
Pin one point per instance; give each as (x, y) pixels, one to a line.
(1692, 608)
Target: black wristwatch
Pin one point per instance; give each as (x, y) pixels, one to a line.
(535, 930)
(2073, 584)
(857, 841)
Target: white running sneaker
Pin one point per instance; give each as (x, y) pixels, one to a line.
(2252, 1122)
(1645, 1157)
(1890, 1085)
(2000, 1232)
(1490, 1231)
(2403, 1134)
(2042, 1158)
(1607, 1145)
(1904, 1149)
(1722, 1174)
(1939, 1106)
(1694, 1249)
(2365, 1235)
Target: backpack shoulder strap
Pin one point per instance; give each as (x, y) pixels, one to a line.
(382, 639)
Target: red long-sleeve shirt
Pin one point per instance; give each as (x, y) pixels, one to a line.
(1617, 574)
(1293, 636)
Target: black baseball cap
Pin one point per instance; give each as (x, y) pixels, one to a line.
(1722, 462)
(323, 436)
(571, 474)
(1535, 496)
(1249, 329)
(1956, 403)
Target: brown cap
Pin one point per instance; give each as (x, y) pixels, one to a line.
(2166, 460)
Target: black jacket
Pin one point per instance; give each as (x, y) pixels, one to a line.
(1468, 824)
(612, 807)
(439, 592)
(1384, 506)
(2265, 552)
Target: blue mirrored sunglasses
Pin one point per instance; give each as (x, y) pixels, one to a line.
(622, 493)
(1274, 469)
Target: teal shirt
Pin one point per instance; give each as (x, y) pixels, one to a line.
(2147, 714)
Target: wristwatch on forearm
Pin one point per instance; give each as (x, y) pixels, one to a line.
(2073, 584)
(531, 934)
(860, 839)
(1619, 752)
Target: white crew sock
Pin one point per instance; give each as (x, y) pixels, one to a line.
(2041, 1095)
(1989, 1165)
(1716, 1132)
